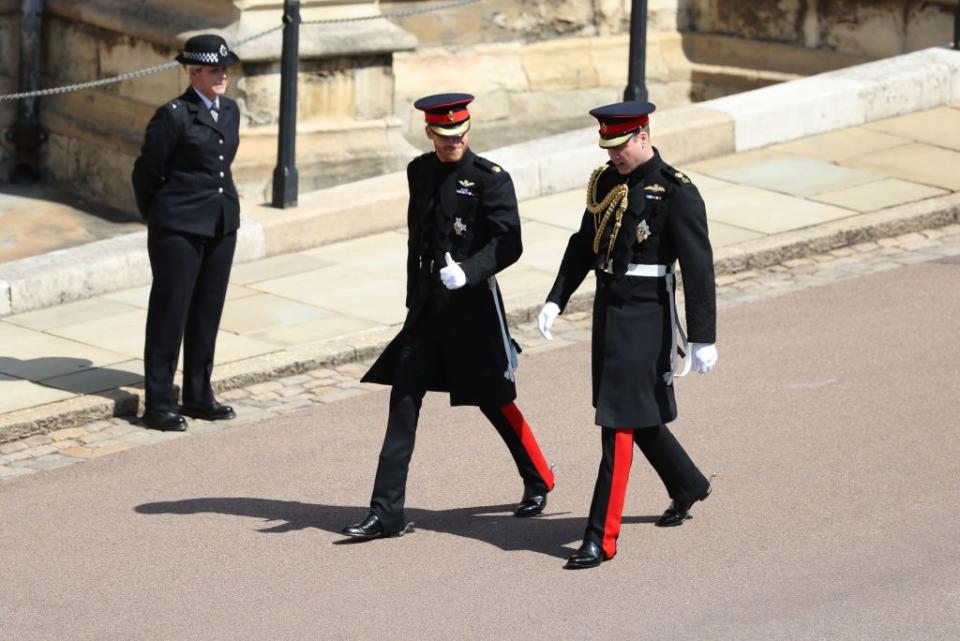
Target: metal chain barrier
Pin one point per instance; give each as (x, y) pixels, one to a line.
(170, 65)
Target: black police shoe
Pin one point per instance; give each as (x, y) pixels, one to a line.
(372, 528)
(532, 503)
(588, 556)
(212, 411)
(165, 421)
(679, 511)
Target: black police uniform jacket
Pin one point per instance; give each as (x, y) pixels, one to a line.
(665, 221)
(182, 179)
(467, 208)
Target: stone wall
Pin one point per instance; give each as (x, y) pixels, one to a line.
(872, 28)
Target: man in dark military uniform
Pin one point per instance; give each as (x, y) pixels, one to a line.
(185, 191)
(642, 216)
(464, 227)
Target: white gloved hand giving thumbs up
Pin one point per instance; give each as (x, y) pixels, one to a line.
(452, 275)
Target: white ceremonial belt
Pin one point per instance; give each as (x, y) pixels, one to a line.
(649, 271)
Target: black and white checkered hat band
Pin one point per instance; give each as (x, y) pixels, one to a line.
(208, 58)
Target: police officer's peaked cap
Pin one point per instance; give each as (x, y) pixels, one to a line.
(446, 113)
(620, 121)
(207, 50)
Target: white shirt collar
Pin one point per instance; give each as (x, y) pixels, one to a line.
(209, 103)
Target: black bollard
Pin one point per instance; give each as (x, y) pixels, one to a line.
(27, 135)
(285, 178)
(636, 79)
(956, 28)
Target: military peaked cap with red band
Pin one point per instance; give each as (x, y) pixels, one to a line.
(620, 121)
(446, 113)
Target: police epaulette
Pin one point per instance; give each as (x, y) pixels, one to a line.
(480, 161)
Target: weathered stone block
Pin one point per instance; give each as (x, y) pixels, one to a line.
(693, 132)
(123, 54)
(94, 268)
(784, 112)
(559, 64)
(71, 50)
(904, 84)
(928, 26)
(876, 31)
(5, 307)
(775, 21)
(531, 107)
(485, 68)
(373, 91)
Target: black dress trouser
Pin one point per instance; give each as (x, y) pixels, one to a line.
(190, 278)
(417, 365)
(684, 482)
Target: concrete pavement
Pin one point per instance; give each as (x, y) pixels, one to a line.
(829, 421)
(76, 362)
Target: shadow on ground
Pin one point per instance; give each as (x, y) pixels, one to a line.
(491, 524)
(74, 375)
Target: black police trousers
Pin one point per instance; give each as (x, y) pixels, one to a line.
(416, 367)
(684, 482)
(190, 277)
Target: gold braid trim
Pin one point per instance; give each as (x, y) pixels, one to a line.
(614, 202)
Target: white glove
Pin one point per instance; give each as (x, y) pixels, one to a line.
(548, 314)
(452, 275)
(704, 356)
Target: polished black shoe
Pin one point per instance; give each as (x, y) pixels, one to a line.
(678, 512)
(588, 556)
(532, 504)
(372, 528)
(164, 421)
(214, 411)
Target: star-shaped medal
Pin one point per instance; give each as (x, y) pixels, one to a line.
(643, 231)
(459, 227)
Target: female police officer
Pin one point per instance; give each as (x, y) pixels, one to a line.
(185, 191)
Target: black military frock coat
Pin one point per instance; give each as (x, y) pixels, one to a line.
(467, 208)
(182, 179)
(632, 324)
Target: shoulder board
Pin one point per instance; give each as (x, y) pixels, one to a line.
(175, 104)
(675, 176)
(479, 161)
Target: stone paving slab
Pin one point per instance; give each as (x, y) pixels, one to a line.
(940, 127)
(881, 194)
(767, 212)
(916, 162)
(842, 144)
(795, 175)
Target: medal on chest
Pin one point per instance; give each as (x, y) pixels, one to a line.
(458, 227)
